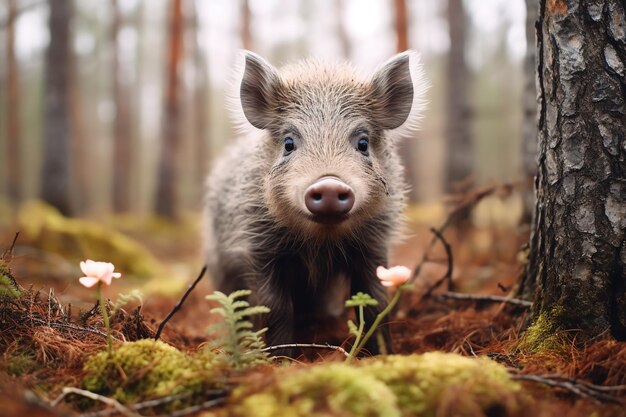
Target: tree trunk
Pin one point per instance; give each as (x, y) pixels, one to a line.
(459, 164)
(527, 284)
(529, 121)
(80, 141)
(201, 109)
(122, 148)
(166, 196)
(13, 130)
(246, 36)
(578, 247)
(137, 169)
(406, 145)
(55, 184)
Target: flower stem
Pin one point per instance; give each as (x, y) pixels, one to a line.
(377, 321)
(105, 317)
(353, 351)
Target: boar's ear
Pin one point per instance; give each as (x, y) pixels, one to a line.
(257, 90)
(398, 89)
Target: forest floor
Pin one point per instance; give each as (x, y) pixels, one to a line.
(486, 260)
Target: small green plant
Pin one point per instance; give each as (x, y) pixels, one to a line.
(242, 346)
(8, 288)
(393, 277)
(124, 299)
(359, 300)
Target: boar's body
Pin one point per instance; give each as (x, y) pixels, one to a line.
(309, 199)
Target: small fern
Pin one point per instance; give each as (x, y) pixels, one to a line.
(242, 346)
(124, 299)
(8, 287)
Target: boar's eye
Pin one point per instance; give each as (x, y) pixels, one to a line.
(363, 144)
(289, 144)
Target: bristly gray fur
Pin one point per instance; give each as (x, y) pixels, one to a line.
(259, 234)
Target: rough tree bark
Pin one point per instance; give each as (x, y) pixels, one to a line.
(13, 131)
(578, 246)
(166, 195)
(122, 128)
(55, 179)
(406, 145)
(460, 161)
(529, 105)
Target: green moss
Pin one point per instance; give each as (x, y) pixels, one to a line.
(415, 385)
(333, 389)
(424, 383)
(149, 369)
(543, 335)
(78, 239)
(22, 364)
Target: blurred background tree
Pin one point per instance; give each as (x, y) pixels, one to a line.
(119, 107)
(459, 160)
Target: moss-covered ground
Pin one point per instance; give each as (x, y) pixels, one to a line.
(451, 358)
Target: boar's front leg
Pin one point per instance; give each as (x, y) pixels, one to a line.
(364, 279)
(274, 293)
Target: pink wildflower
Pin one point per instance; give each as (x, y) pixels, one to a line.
(393, 277)
(97, 272)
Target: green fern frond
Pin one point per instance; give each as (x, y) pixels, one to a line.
(124, 299)
(8, 288)
(234, 336)
(243, 325)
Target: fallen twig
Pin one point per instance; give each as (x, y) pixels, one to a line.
(96, 397)
(484, 298)
(179, 304)
(68, 326)
(195, 408)
(153, 403)
(580, 388)
(594, 387)
(448, 275)
(307, 345)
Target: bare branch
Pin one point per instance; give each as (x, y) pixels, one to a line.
(179, 304)
(583, 389)
(306, 345)
(195, 408)
(484, 298)
(155, 403)
(448, 275)
(68, 326)
(465, 201)
(96, 397)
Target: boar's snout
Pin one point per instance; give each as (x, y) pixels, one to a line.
(329, 199)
